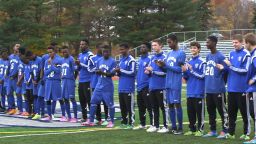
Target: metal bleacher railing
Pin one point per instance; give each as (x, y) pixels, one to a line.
(224, 45)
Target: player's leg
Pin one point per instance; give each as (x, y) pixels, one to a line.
(81, 93)
(130, 108)
(242, 105)
(108, 98)
(124, 121)
(155, 107)
(148, 105)
(161, 98)
(232, 111)
(10, 97)
(222, 110)
(200, 116)
(87, 96)
(178, 107)
(172, 111)
(191, 111)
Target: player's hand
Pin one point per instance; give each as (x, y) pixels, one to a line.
(117, 69)
(251, 81)
(184, 68)
(99, 72)
(1, 81)
(34, 82)
(227, 62)
(160, 63)
(18, 83)
(77, 62)
(220, 66)
(49, 61)
(149, 68)
(146, 72)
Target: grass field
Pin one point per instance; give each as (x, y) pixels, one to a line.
(98, 135)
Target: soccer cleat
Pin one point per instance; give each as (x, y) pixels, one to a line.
(129, 127)
(64, 119)
(47, 119)
(90, 124)
(110, 124)
(18, 112)
(163, 130)
(2, 109)
(25, 114)
(221, 135)
(73, 120)
(82, 120)
(199, 133)
(87, 122)
(178, 132)
(98, 123)
(105, 123)
(36, 117)
(226, 136)
(253, 141)
(210, 134)
(11, 112)
(189, 133)
(152, 129)
(244, 137)
(139, 127)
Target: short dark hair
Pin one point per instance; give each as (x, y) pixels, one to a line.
(148, 45)
(157, 41)
(86, 40)
(106, 47)
(213, 38)
(124, 45)
(22, 50)
(197, 44)
(29, 53)
(238, 37)
(173, 37)
(250, 38)
(50, 47)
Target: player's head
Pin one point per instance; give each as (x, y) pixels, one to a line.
(51, 51)
(21, 51)
(55, 46)
(84, 44)
(211, 42)
(250, 41)
(4, 55)
(16, 48)
(195, 48)
(30, 55)
(124, 49)
(157, 45)
(172, 41)
(65, 51)
(106, 51)
(237, 41)
(99, 47)
(145, 48)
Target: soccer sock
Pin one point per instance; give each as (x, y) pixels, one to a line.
(42, 105)
(49, 108)
(112, 113)
(62, 107)
(92, 112)
(19, 103)
(53, 107)
(67, 107)
(74, 104)
(35, 104)
(173, 117)
(179, 117)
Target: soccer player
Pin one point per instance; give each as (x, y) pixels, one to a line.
(53, 82)
(36, 66)
(5, 80)
(215, 87)
(104, 89)
(143, 99)
(126, 72)
(3, 68)
(68, 83)
(194, 75)
(250, 45)
(238, 64)
(173, 65)
(94, 79)
(157, 88)
(84, 91)
(12, 80)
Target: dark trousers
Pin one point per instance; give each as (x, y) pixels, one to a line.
(237, 101)
(126, 101)
(98, 110)
(157, 100)
(195, 109)
(30, 99)
(84, 93)
(213, 101)
(143, 102)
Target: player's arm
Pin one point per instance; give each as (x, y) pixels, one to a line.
(253, 79)
(111, 73)
(199, 74)
(131, 70)
(244, 67)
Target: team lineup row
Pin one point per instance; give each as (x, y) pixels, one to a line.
(51, 78)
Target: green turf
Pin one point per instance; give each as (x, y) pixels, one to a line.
(112, 136)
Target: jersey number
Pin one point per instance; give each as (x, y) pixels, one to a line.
(209, 71)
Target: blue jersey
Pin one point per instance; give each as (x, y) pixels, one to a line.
(106, 65)
(14, 63)
(92, 67)
(175, 59)
(45, 57)
(20, 70)
(28, 76)
(68, 68)
(2, 70)
(240, 61)
(84, 74)
(36, 66)
(142, 78)
(214, 78)
(127, 75)
(6, 67)
(195, 77)
(157, 76)
(53, 70)
(251, 75)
